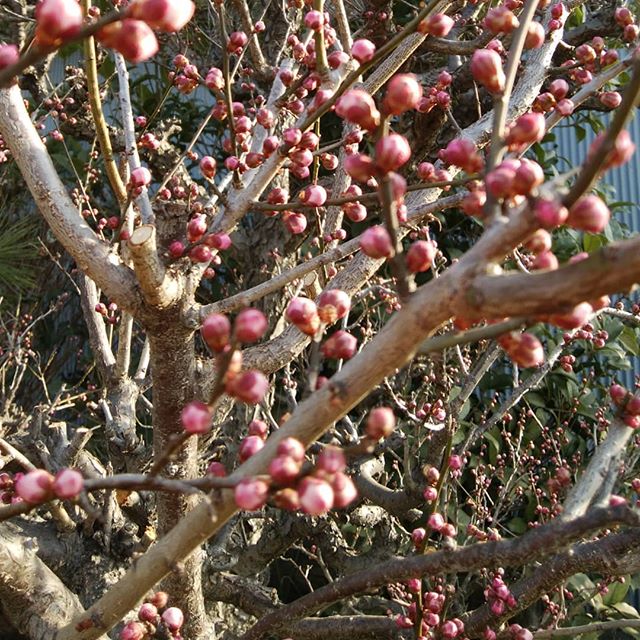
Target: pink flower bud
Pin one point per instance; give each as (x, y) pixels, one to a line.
(251, 494)
(163, 15)
(610, 99)
(316, 496)
(565, 107)
(358, 107)
(302, 157)
(140, 177)
(577, 317)
(250, 325)
(526, 351)
(363, 50)
(216, 331)
(528, 176)
(538, 242)
(196, 227)
(9, 55)
(403, 93)
(314, 195)
(500, 20)
(375, 242)
(291, 447)
(417, 536)
(392, 151)
(499, 182)
(559, 88)
(344, 491)
(630, 33)
(56, 21)
(295, 222)
(426, 171)
(237, 41)
(381, 422)
(134, 39)
(216, 469)
(527, 129)
(430, 494)
(623, 16)
(420, 256)
(337, 58)
(208, 166)
(589, 213)
(550, 213)
(133, 631)
(284, 469)
(535, 36)
(618, 393)
(214, 79)
(359, 166)
(463, 153)
(258, 428)
(148, 613)
(448, 531)
(331, 460)
(173, 618)
(68, 483)
(455, 462)
(196, 418)
(486, 68)
(438, 25)
(314, 20)
(333, 305)
(340, 346)
(545, 260)
(34, 487)
(621, 153)
(436, 521)
(303, 313)
(249, 387)
(449, 629)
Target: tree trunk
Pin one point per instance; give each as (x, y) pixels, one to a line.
(172, 371)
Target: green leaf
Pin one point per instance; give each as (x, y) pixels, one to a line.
(617, 593)
(629, 340)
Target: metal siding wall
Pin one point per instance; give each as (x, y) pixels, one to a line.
(624, 180)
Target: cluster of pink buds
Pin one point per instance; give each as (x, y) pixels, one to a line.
(154, 616)
(247, 386)
(432, 606)
(309, 317)
(520, 633)
(186, 78)
(203, 244)
(437, 95)
(438, 524)
(523, 348)
(39, 486)
(109, 313)
(625, 19)
(628, 405)
(134, 36)
(139, 180)
(498, 595)
(327, 486)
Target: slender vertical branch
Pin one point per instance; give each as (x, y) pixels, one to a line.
(102, 132)
(322, 66)
(501, 103)
(143, 201)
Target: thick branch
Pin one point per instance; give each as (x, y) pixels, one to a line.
(91, 255)
(159, 288)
